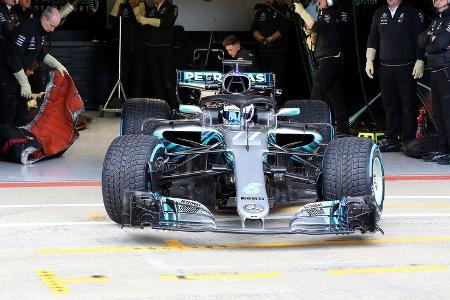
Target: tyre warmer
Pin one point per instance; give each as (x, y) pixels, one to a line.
(54, 126)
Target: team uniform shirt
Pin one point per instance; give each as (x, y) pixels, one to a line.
(328, 43)
(244, 54)
(438, 51)
(268, 21)
(25, 43)
(164, 34)
(131, 29)
(395, 36)
(23, 15)
(8, 20)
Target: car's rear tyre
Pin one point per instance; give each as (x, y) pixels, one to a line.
(352, 166)
(137, 110)
(129, 166)
(313, 112)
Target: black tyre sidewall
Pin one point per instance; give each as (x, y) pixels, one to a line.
(313, 112)
(347, 169)
(126, 168)
(137, 110)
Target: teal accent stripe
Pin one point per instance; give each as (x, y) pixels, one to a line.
(152, 156)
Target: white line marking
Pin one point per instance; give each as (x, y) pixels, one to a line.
(48, 224)
(254, 136)
(231, 219)
(49, 205)
(237, 136)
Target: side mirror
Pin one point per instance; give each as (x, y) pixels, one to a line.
(190, 109)
(288, 112)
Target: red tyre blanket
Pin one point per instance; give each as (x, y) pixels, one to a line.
(54, 127)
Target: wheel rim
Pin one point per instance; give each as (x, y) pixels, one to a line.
(377, 181)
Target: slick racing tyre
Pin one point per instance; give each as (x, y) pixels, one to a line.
(136, 112)
(313, 112)
(352, 166)
(131, 163)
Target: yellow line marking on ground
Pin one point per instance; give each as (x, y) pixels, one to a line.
(94, 216)
(52, 281)
(175, 244)
(57, 285)
(232, 276)
(386, 270)
(247, 246)
(286, 209)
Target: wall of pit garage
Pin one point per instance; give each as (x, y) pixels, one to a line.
(87, 45)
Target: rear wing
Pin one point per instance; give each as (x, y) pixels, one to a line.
(206, 80)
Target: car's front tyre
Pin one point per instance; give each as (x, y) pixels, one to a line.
(131, 164)
(352, 166)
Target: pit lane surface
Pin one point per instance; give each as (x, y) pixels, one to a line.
(57, 242)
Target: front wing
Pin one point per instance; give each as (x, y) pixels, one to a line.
(344, 216)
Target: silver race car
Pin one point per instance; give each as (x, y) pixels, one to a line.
(235, 150)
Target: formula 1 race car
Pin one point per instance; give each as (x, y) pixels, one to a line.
(235, 150)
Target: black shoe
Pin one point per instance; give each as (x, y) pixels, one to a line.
(444, 160)
(388, 145)
(432, 156)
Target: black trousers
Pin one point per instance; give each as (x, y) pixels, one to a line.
(162, 73)
(440, 91)
(13, 108)
(274, 60)
(133, 71)
(327, 86)
(398, 93)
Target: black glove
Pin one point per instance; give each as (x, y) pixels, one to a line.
(423, 39)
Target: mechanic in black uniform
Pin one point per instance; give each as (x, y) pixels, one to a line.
(132, 69)
(25, 43)
(270, 29)
(233, 46)
(8, 19)
(394, 31)
(23, 10)
(327, 84)
(436, 41)
(24, 13)
(158, 31)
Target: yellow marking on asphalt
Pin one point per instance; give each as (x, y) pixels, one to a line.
(286, 209)
(58, 285)
(386, 270)
(232, 276)
(247, 246)
(175, 244)
(97, 216)
(55, 284)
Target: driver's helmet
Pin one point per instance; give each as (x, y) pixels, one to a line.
(232, 115)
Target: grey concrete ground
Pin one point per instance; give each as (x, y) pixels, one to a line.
(57, 243)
